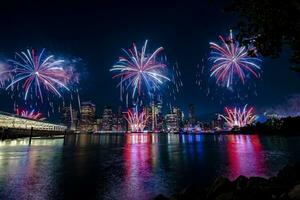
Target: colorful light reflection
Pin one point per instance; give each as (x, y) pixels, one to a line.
(245, 156)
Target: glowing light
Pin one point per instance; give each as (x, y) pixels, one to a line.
(29, 114)
(136, 120)
(230, 60)
(237, 117)
(37, 71)
(140, 68)
(13, 121)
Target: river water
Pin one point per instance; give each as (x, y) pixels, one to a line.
(134, 166)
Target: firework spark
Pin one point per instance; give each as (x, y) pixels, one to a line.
(237, 117)
(140, 68)
(37, 71)
(136, 120)
(29, 114)
(231, 59)
(5, 74)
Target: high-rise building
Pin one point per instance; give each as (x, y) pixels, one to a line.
(154, 117)
(172, 124)
(69, 117)
(87, 117)
(107, 119)
(174, 120)
(179, 113)
(118, 123)
(148, 111)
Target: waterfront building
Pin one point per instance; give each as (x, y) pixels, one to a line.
(154, 117)
(172, 124)
(174, 120)
(87, 117)
(118, 123)
(10, 121)
(217, 124)
(69, 117)
(107, 119)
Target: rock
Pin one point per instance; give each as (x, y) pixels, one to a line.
(257, 182)
(285, 186)
(225, 196)
(241, 182)
(161, 197)
(220, 186)
(294, 194)
(284, 196)
(289, 175)
(193, 191)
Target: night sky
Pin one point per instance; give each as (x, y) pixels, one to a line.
(96, 32)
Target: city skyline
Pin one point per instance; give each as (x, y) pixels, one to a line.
(140, 100)
(98, 50)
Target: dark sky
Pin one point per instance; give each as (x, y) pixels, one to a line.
(96, 32)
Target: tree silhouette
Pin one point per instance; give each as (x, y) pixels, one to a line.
(270, 25)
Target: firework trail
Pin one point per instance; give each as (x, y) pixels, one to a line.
(37, 71)
(176, 83)
(237, 117)
(30, 114)
(230, 60)
(136, 120)
(139, 69)
(5, 74)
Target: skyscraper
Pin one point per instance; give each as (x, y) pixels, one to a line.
(107, 119)
(87, 116)
(69, 117)
(174, 120)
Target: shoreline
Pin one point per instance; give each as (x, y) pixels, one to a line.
(17, 134)
(285, 186)
(9, 133)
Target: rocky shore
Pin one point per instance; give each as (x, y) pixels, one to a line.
(284, 186)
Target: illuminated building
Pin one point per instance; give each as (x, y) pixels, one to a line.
(172, 123)
(110, 122)
(217, 123)
(118, 123)
(179, 114)
(154, 115)
(69, 117)
(87, 117)
(174, 120)
(107, 119)
(17, 122)
(151, 112)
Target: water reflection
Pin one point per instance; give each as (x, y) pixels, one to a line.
(137, 164)
(34, 142)
(245, 156)
(133, 166)
(26, 172)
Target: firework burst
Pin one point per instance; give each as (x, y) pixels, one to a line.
(230, 60)
(237, 117)
(29, 114)
(139, 68)
(38, 72)
(136, 120)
